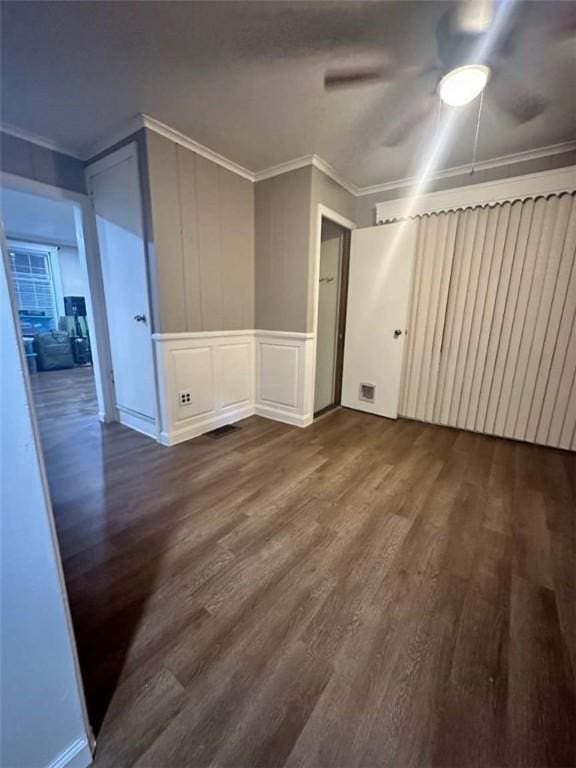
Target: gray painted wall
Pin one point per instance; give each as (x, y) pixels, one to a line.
(42, 711)
(282, 207)
(22, 158)
(366, 206)
(286, 209)
(202, 218)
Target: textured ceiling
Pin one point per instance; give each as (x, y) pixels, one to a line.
(246, 79)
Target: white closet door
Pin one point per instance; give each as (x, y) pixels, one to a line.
(115, 188)
(381, 260)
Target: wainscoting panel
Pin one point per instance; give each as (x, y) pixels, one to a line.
(206, 381)
(284, 368)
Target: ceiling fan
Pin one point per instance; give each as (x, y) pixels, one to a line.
(474, 47)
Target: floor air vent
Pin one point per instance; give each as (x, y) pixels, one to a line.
(367, 392)
(221, 431)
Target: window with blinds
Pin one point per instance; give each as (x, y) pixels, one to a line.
(34, 285)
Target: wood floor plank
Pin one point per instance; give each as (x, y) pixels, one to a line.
(363, 592)
(541, 703)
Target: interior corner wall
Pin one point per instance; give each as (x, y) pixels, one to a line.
(285, 213)
(282, 216)
(365, 210)
(23, 158)
(202, 227)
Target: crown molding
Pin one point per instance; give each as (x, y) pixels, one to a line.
(328, 170)
(460, 170)
(490, 193)
(185, 141)
(290, 165)
(40, 141)
(145, 121)
(303, 162)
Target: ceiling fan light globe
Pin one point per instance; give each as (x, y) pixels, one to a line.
(462, 85)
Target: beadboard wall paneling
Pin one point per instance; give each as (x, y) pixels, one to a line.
(492, 330)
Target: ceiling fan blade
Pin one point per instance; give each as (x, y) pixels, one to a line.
(342, 78)
(408, 123)
(515, 100)
(525, 107)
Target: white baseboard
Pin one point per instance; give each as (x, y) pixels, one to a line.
(136, 421)
(278, 414)
(77, 755)
(200, 426)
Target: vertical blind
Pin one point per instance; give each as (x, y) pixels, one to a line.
(492, 325)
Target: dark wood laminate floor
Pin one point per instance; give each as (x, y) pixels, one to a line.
(360, 593)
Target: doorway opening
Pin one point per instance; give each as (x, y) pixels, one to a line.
(53, 306)
(332, 300)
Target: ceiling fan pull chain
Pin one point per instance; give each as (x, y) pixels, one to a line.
(438, 119)
(477, 134)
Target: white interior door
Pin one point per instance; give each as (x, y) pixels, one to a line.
(381, 261)
(115, 189)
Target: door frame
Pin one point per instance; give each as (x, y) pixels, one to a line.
(87, 243)
(323, 212)
(127, 152)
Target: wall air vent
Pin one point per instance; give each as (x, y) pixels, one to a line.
(367, 392)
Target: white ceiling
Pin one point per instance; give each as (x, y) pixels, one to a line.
(246, 79)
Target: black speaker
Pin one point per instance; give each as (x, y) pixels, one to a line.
(75, 305)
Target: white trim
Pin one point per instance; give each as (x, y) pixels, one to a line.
(138, 421)
(190, 335)
(328, 170)
(179, 138)
(482, 165)
(289, 165)
(268, 411)
(145, 121)
(142, 120)
(88, 253)
(322, 211)
(190, 431)
(490, 193)
(298, 335)
(40, 141)
(77, 755)
(303, 162)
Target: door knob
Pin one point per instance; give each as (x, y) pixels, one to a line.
(140, 318)
(397, 333)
